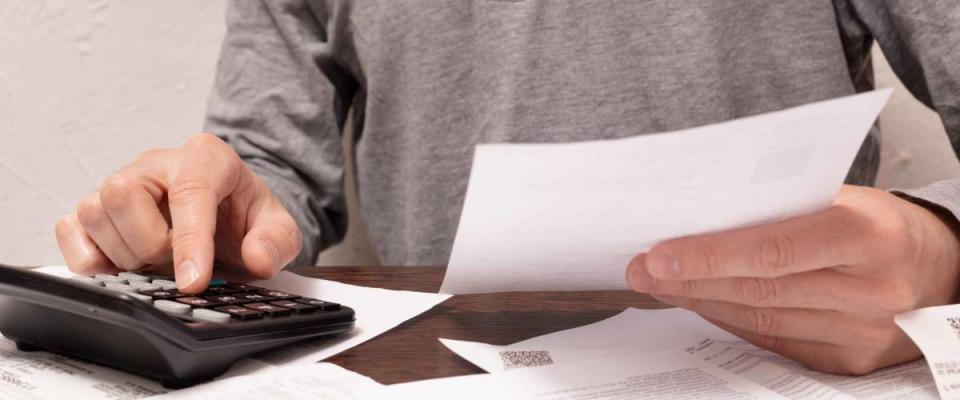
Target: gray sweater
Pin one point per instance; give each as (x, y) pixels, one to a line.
(429, 79)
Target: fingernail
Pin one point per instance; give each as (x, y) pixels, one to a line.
(187, 273)
(640, 279)
(663, 266)
(272, 251)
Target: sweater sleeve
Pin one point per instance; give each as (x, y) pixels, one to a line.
(919, 38)
(280, 98)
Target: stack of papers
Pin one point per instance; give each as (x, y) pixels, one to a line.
(635, 334)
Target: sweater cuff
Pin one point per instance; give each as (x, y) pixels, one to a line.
(942, 198)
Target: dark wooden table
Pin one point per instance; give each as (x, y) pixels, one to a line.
(412, 352)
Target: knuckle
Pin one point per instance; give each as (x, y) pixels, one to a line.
(775, 254)
(760, 292)
(898, 297)
(708, 259)
(886, 338)
(90, 211)
(115, 192)
(771, 343)
(181, 238)
(205, 140)
(759, 320)
(64, 227)
(687, 288)
(185, 190)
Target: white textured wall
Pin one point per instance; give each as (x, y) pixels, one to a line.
(85, 85)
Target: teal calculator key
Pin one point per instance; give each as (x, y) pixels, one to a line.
(217, 282)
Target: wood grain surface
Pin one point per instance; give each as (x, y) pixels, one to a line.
(412, 352)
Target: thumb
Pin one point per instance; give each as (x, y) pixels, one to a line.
(273, 241)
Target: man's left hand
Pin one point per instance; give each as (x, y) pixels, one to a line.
(822, 288)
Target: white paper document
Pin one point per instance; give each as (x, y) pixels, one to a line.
(936, 331)
(663, 375)
(321, 381)
(378, 310)
(41, 375)
(570, 216)
(637, 332)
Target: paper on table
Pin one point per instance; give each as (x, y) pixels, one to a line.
(642, 331)
(671, 374)
(378, 310)
(41, 375)
(299, 382)
(936, 331)
(569, 216)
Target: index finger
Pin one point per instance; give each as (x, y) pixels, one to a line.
(208, 173)
(828, 238)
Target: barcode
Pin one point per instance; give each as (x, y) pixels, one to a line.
(521, 359)
(955, 324)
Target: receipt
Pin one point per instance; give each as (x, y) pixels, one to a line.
(936, 331)
(684, 330)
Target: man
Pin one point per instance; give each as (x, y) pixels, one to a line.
(428, 80)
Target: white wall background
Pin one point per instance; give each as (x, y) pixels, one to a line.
(85, 85)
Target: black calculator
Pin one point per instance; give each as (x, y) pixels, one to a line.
(140, 323)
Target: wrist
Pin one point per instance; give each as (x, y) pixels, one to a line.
(940, 247)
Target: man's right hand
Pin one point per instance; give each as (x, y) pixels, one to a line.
(186, 206)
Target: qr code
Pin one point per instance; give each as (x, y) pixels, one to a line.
(955, 324)
(521, 359)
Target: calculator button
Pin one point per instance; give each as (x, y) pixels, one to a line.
(276, 294)
(145, 287)
(171, 306)
(240, 312)
(121, 287)
(110, 278)
(218, 290)
(165, 284)
(198, 302)
(225, 299)
(140, 297)
(163, 294)
(132, 277)
(243, 287)
(88, 280)
(253, 297)
(298, 308)
(323, 305)
(269, 309)
(210, 315)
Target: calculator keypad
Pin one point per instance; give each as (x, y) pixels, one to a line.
(222, 302)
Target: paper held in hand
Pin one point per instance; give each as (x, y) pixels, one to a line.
(570, 216)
